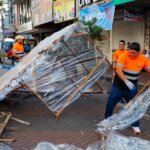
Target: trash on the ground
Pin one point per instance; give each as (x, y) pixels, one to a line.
(4, 120)
(114, 141)
(117, 141)
(132, 112)
(51, 146)
(4, 147)
(59, 69)
(95, 146)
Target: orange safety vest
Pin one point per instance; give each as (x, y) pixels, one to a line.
(18, 49)
(131, 68)
(117, 54)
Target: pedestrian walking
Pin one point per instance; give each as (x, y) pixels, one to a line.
(128, 69)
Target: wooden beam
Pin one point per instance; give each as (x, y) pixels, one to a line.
(80, 87)
(99, 86)
(21, 121)
(3, 125)
(7, 140)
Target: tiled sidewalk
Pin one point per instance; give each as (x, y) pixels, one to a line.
(75, 126)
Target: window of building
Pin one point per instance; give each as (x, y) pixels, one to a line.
(24, 12)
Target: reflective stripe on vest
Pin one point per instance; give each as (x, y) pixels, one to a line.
(21, 54)
(120, 65)
(130, 74)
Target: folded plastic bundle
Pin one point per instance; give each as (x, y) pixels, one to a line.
(127, 115)
(117, 141)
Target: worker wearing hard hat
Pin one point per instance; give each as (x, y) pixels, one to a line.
(18, 48)
(128, 69)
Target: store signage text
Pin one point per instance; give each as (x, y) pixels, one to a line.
(86, 2)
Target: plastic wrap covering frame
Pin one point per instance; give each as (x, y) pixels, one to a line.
(59, 69)
(127, 115)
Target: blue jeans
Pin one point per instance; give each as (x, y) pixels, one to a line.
(115, 95)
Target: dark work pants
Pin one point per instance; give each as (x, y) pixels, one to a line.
(115, 95)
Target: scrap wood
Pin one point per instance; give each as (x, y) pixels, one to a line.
(18, 120)
(3, 125)
(7, 140)
(21, 121)
(103, 139)
(57, 114)
(11, 128)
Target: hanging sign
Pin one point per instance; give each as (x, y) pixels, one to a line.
(103, 13)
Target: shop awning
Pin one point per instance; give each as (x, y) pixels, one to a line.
(118, 2)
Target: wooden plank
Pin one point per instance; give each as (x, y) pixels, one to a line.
(3, 125)
(80, 87)
(21, 121)
(103, 140)
(18, 120)
(11, 129)
(99, 86)
(34, 78)
(78, 34)
(34, 93)
(7, 140)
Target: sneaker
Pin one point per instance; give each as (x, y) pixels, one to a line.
(136, 130)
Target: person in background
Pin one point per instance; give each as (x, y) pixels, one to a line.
(128, 44)
(145, 53)
(18, 49)
(128, 69)
(27, 48)
(118, 53)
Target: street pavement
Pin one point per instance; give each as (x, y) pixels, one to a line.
(75, 126)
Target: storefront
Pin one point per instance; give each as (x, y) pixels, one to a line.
(130, 31)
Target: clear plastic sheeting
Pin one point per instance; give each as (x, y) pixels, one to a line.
(117, 141)
(4, 147)
(95, 146)
(60, 69)
(127, 115)
(51, 146)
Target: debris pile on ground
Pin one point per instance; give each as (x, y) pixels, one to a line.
(51, 146)
(117, 141)
(4, 120)
(132, 112)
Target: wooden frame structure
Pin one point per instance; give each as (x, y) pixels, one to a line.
(89, 73)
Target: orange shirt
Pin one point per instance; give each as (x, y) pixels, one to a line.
(133, 65)
(18, 47)
(117, 54)
(131, 69)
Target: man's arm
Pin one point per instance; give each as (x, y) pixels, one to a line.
(121, 75)
(114, 63)
(14, 54)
